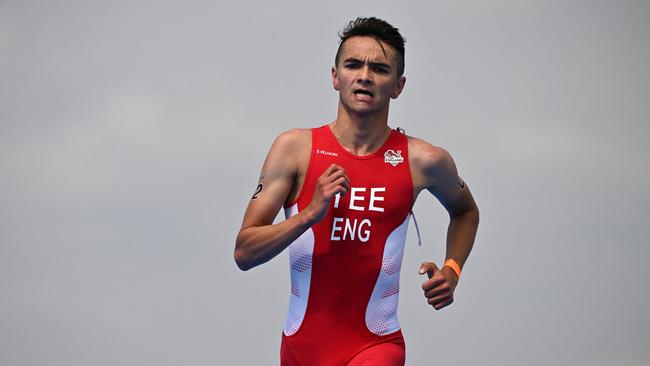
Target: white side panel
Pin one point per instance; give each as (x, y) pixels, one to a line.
(381, 313)
(300, 263)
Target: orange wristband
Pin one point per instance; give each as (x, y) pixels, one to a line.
(453, 265)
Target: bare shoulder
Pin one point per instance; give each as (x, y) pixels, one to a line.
(433, 168)
(295, 138)
(289, 148)
(285, 166)
(287, 158)
(428, 159)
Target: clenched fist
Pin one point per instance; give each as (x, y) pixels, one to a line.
(333, 181)
(439, 288)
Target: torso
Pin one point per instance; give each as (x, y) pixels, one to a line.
(345, 269)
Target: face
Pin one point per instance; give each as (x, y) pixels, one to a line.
(366, 75)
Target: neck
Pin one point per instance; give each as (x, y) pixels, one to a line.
(361, 135)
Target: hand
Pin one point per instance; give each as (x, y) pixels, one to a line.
(333, 181)
(439, 288)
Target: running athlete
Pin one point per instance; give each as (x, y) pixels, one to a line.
(347, 188)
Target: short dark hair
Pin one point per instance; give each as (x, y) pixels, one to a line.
(377, 29)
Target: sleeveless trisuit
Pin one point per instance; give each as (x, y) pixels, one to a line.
(345, 269)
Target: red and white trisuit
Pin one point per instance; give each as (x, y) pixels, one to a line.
(345, 269)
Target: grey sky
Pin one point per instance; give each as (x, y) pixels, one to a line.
(132, 134)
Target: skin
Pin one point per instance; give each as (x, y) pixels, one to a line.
(361, 127)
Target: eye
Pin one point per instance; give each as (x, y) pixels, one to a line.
(381, 69)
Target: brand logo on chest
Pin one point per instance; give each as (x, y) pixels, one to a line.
(325, 152)
(393, 157)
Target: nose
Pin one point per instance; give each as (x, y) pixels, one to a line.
(364, 77)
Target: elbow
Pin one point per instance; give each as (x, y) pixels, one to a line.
(475, 216)
(241, 256)
(242, 260)
(471, 214)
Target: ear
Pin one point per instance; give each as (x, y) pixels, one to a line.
(335, 80)
(399, 86)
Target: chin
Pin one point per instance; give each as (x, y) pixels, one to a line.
(364, 112)
(362, 109)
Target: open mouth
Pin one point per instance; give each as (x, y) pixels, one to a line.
(363, 95)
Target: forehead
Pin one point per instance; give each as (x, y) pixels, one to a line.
(367, 48)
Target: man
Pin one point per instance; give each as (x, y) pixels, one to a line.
(347, 188)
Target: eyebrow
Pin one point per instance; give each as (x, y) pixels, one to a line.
(352, 59)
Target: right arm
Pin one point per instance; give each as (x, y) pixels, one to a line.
(259, 240)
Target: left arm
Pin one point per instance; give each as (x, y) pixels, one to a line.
(436, 172)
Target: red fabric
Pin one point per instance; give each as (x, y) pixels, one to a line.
(344, 272)
(383, 354)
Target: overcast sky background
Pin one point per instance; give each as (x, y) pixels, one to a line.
(132, 134)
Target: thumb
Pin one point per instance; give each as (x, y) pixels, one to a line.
(429, 268)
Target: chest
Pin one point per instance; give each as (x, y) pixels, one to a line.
(378, 187)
